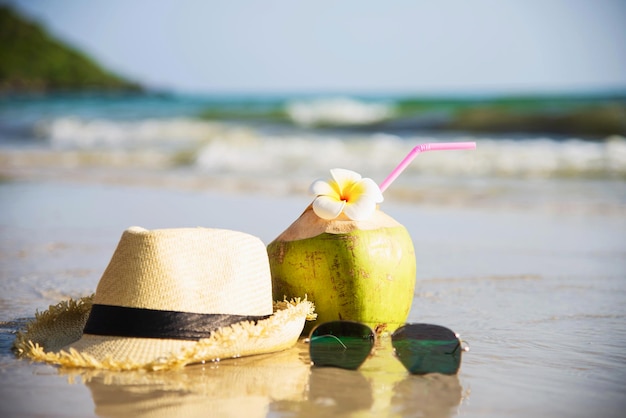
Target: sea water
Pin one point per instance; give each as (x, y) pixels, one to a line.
(281, 144)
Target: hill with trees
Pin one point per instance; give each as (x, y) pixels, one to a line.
(31, 60)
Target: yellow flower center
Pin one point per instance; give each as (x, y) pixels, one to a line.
(346, 192)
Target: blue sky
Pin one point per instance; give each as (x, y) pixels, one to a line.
(411, 46)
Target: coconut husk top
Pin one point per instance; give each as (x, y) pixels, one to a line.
(309, 225)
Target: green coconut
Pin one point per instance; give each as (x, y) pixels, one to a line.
(353, 270)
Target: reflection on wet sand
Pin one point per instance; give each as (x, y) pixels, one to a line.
(281, 383)
(435, 396)
(232, 388)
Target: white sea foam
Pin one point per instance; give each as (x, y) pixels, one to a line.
(221, 149)
(337, 111)
(70, 132)
(375, 156)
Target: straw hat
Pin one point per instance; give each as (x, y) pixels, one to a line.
(168, 298)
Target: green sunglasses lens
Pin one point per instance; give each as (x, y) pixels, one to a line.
(425, 348)
(341, 344)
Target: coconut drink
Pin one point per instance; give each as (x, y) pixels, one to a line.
(352, 260)
(355, 263)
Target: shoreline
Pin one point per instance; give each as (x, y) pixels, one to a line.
(549, 195)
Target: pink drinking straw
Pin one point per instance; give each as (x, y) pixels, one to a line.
(436, 146)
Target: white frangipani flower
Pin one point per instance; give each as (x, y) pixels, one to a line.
(345, 192)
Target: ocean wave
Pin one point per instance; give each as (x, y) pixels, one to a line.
(376, 155)
(73, 132)
(543, 158)
(340, 111)
(229, 149)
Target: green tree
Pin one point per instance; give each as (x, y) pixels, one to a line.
(31, 60)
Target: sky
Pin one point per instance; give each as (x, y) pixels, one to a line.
(392, 46)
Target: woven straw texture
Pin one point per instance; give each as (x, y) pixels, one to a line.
(198, 270)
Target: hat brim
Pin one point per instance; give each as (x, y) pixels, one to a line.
(55, 336)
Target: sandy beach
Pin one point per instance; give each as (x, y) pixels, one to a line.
(538, 294)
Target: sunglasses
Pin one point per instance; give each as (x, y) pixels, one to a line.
(421, 348)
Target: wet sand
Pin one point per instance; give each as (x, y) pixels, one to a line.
(540, 295)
